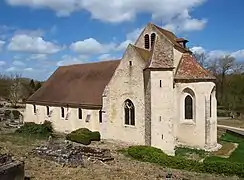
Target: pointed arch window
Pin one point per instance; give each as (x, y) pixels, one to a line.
(153, 36)
(146, 41)
(188, 107)
(62, 112)
(129, 112)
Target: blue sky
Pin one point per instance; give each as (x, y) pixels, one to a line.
(37, 36)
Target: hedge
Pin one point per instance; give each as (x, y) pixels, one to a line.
(154, 155)
(30, 128)
(83, 136)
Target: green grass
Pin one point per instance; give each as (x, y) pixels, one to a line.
(237, 155)
(190, 153)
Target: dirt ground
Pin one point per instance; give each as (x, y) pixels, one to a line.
(121, 168)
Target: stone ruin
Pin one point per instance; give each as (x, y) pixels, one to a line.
(72, 155)
(11, 169)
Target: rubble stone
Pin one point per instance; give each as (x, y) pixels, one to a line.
(71, 155)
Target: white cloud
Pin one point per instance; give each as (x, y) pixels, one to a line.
(38, 57)
(2, 63)
(11, 69)
(32, 33)
(119, 11)
(91, 46)
(107, 56)
(68, 60)
(214, 54)
(32, 44)
(198, 49)
(184, 22)
(28, 69)
(18, 63)
(1, 44)
(239, 54)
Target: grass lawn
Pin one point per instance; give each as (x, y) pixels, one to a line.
(232, 150)
(237, 155)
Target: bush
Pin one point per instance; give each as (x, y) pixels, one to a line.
(95, 136)
(16, 114)
(30, 128)
(83, 136)
(154, 155)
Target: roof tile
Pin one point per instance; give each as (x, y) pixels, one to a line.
(190, 69)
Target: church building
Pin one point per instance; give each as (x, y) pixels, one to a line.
(156, 95)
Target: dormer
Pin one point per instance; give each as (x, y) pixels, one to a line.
(182, 42)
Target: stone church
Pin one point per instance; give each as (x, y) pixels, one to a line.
(156, 94)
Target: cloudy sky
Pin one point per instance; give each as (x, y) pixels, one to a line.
(37, 36)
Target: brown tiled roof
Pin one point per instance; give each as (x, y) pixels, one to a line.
(173, 39)
(190, 69)
(80, 85)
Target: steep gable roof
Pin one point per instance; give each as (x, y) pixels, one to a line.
(79, 85)
(172, 37)
(190, 69)
(143, 53)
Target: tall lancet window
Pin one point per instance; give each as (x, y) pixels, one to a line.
(153, 36)
(129, 111)
(146, 41)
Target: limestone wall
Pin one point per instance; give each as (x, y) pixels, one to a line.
(194, 132)
(63, 124)
(127, 83)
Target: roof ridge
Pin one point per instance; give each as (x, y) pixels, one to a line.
(95, 62)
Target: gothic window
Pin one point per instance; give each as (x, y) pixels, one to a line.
(188, 107)
(62, 112)
(153, 36)
(80, 113)
(146, 39)
(129, 111)
(48, 112)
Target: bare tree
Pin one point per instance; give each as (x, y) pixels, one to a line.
(226, 65)
(201, 58)
(16, 89)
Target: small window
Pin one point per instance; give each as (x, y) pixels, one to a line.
(153, 36)
(80, 113)
(160, 83)
(188, 107)
(146, 39)
(100, 116)
(130, 63)
(62, 112)
(48, 112)
(88, 117)
(129, 111)
(34, 109)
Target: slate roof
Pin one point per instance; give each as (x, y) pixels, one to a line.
(190, 69)
(79, 85)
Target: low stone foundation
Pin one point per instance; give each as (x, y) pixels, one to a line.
(11, 170)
